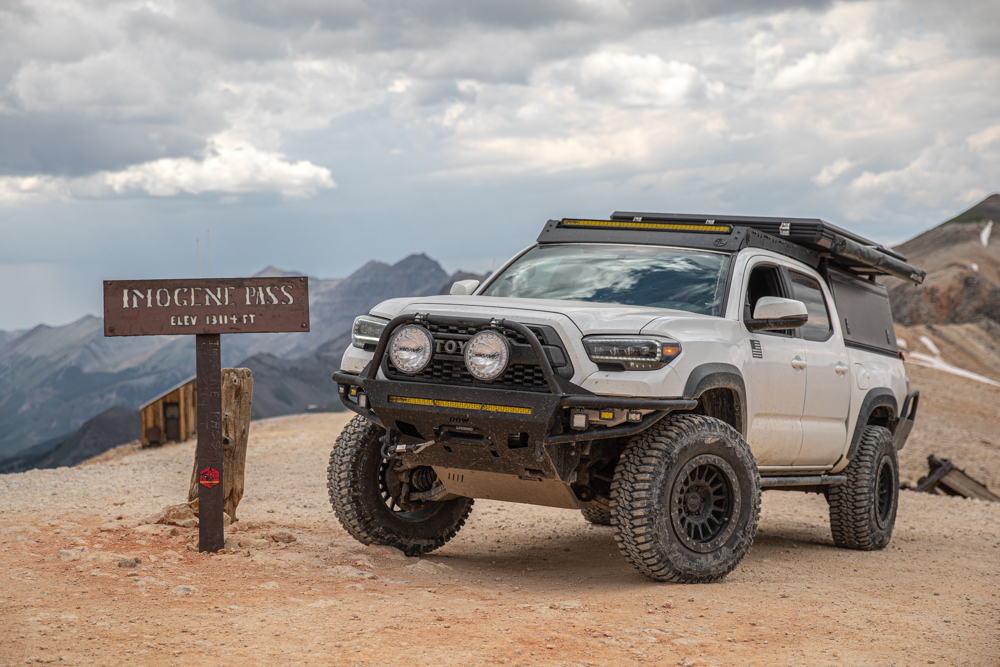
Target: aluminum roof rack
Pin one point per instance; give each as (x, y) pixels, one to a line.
(838, 246)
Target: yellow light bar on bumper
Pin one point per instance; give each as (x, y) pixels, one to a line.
(648, 226)
(411, 401)
(509, 409)
(461, 405)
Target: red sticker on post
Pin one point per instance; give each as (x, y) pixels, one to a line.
(208, 477)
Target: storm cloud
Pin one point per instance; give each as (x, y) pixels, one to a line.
(879, 115)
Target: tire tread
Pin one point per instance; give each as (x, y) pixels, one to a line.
(345, 485)
(851, 503)
(634, 495)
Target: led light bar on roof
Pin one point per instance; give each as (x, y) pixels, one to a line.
(709, 228)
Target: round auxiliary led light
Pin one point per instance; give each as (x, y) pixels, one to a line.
(411, 349)
(487, 354)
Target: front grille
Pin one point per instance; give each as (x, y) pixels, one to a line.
(450, 368)
(448, 371)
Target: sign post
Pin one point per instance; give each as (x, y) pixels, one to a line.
(211, 534)
(207, 308)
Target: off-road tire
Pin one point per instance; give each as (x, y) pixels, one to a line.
(659, 525)
(863, 509)
(353, 480)
(597, 515)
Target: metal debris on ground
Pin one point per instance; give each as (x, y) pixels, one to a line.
(944, 478)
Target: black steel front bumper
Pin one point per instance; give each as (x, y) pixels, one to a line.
(494, 419)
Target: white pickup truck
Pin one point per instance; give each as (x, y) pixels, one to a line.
(655, 371)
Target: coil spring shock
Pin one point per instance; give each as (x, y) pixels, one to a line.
(423, 478)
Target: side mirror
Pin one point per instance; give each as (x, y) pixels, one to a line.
(774, 313)
(462, 287)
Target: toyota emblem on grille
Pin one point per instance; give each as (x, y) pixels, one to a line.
(449, 346)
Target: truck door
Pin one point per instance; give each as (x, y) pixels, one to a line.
(828, 386)
(777, 384)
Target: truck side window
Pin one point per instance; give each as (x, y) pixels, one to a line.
(808, 291)
(763, 281)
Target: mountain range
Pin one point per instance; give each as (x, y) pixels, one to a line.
(54, 379)
(59, 386)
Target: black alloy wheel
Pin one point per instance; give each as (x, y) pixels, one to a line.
(392, 486)
(703, 503)
(885, 484)
(685, 500)
(367, 495)
(863, 509)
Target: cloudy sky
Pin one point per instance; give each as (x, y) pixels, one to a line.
(318, 134)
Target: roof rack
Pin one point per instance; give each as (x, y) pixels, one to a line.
(838, 246)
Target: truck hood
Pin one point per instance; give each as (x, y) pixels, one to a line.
(590, 318)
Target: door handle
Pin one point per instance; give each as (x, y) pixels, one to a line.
(798, 363)
(841, 368)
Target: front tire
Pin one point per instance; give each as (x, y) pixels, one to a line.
(597, 515)
(685, 500)
(361, 485)
(863, 509)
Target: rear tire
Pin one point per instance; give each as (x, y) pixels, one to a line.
(685, 500)
(597, 515)
(863, 509)
(360, 483)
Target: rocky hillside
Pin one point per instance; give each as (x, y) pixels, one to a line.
(962, 260)
(111, 428)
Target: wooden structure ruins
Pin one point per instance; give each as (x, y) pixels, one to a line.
(172, 416)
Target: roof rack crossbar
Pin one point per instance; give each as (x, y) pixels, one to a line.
(844, 247)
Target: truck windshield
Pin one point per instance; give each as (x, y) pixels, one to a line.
(651, 276)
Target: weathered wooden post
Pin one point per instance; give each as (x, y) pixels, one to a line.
(208, 308)
(237, 397)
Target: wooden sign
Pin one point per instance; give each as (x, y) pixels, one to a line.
(207, 308)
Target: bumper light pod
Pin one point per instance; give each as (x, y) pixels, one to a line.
(579, 421)
(632, 353)
(411, 349)
(487, 354)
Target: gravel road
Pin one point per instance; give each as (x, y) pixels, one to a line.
(519, 585)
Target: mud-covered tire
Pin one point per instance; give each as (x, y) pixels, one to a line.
(863, 509)
(685, 500)
(353, 479)
(597, 515)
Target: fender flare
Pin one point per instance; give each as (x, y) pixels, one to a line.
(878, 397)
(716, 376)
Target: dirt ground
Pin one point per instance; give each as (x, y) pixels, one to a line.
(518, 586)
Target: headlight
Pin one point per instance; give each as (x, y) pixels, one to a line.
(367, 330)
(632, 353)
(411, 349)
(486, 355)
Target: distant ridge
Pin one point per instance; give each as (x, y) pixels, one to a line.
(274, 272)
(963, 272)
(54, 379)
(107, 430)
(988, 209)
